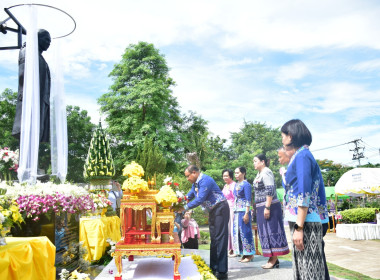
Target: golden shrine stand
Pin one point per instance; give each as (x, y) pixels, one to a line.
(141, 239)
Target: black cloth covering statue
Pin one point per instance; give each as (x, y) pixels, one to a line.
(44, 40)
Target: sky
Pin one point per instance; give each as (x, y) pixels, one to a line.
(232, 61)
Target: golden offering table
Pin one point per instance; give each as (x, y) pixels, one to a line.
(144, 247)
(29, 258)
(139, 237)
(134, 221)
(163, 218)
(95, 232)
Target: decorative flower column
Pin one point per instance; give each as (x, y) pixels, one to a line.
(99, 166)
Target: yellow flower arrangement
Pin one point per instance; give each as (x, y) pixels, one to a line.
(166, 194)
(203, 268)
(9, 214)
(133, 169)
(135, 184)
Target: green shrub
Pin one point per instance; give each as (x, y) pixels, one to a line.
(205, 237)
(216, 174)
(200, 216)
(358, 215)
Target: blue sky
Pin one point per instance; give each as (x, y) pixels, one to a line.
(265, 61)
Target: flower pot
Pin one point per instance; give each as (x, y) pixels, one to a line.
(166, 206)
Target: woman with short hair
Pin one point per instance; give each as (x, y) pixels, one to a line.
(302, 202)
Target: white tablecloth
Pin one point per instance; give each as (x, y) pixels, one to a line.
(358, 231)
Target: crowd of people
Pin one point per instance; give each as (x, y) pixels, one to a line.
(230, 210)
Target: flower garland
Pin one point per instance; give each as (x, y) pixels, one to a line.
(203, 268)
(36, 200)
(65, 275)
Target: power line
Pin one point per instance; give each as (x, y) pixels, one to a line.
(331, 147)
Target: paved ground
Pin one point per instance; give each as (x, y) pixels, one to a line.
(360, 256)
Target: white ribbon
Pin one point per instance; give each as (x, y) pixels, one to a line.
(30, 117)
(58, 120)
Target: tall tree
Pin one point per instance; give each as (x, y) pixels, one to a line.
(194, 133)
(79, 132)
(254, 138)
(8, 100)
(151, 159)
(140, 103)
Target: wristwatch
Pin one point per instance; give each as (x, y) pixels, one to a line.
(267, 207)
(297, 227)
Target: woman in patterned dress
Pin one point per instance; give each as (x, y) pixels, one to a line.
(301, 202)
(243, 238)
(228, 191)
(270, 223)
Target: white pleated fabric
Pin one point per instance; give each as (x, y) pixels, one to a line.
(58, 119)
(30, 118)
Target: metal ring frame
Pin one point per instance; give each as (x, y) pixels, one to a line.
(43, 5)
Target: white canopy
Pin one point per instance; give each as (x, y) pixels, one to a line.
(358, 182)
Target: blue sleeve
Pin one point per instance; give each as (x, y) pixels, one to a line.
(203, 192)
(191, 194)
(248, 194)
(304, 179)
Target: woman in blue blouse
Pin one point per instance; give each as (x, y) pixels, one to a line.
(242, 235)
(302, 200)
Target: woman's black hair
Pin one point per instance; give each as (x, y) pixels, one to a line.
(243, 170)
(262, 157)
(230, 173)
(298, 131)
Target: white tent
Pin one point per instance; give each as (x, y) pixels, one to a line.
(358, 182)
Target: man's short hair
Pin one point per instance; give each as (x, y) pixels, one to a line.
(192, 168)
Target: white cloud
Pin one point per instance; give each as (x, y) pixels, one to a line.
(296, 71)
(341, 97)
(367, 66)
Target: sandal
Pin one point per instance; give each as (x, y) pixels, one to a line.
(269, 266)
(247, 259)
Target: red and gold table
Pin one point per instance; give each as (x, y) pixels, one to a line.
(145, 248)
(139, 238)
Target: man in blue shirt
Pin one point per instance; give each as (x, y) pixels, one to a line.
(207, 193)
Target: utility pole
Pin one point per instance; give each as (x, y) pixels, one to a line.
(357, 154)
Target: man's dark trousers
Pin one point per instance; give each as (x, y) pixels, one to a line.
(218, 224)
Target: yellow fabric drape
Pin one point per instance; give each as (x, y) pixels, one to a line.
(95, 232)
(27, 258)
